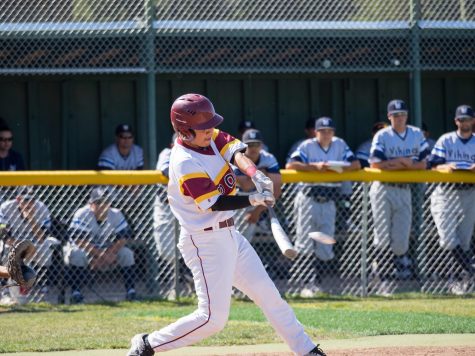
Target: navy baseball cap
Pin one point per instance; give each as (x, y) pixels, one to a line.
(464, 112)
(26, 192)
(252, 135)
(397, 106)
(245, 125)
(123, 128)
(324, 123)
(99, 194)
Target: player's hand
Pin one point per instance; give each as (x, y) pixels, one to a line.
(253, 216)
(262, 182)
(320, 166)
(406, 161)
(449, 167)
(265, 198)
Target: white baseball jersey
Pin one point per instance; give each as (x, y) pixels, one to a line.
(163, 162)
(112, 159)
(310, 151)
(198, 177)
(102, 233)
(388, 144)
(451, 148)
(18, 226)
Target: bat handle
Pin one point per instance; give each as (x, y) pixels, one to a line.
(271, 212)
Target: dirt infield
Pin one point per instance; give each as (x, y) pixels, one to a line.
(417, 345)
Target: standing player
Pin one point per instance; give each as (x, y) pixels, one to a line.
(315, 203)
(452, 205)
(397, 147)
(201, 194)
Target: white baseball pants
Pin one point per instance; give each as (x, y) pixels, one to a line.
(219, 260)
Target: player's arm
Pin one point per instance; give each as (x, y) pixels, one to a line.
(245, 183)
(4, 272)
(389, 165)
(245, 165)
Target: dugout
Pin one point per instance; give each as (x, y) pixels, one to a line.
(65, 85)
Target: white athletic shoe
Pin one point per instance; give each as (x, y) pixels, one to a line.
(309, 291)
(140, 346)
(459, 288)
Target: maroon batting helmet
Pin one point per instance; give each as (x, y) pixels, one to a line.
(193, 112)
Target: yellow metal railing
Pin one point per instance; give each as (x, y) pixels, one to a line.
(288, 176)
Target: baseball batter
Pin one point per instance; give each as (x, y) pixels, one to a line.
(201, 194)
(452, 205)
(315, 203)
(397, 147)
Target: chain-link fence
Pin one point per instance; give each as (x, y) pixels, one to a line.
(390, 237)
(235, 36)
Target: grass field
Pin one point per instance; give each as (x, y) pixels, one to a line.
(110, 326)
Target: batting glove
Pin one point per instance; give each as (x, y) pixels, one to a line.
(266, 199)
(262, 182)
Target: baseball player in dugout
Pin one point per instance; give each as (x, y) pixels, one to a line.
(452, 204)
(124, 154)
(397, 147)
(98, 237)
(315, 205)
(25, 217)
(201, 192)
(267, 164)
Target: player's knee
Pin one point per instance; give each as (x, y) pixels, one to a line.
(214, 323)
(400, 249)
(448, 244)
(125, 257)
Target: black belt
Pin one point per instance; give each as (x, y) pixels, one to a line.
(462, 186)
(321, 200)
(222, 224)
(399, 185)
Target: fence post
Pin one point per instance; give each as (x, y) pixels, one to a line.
(150, 83)
(415, 74)
(364, 241)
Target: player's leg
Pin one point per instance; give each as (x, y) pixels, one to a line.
(401, 219)
(446, 211)
(465, 229)
(126, 261)
(252, 279)
(211, 258)
(381, 211)
(324, 215)
(303, 275)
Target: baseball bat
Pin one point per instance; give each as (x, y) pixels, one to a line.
(283, 241)
(321, 237)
